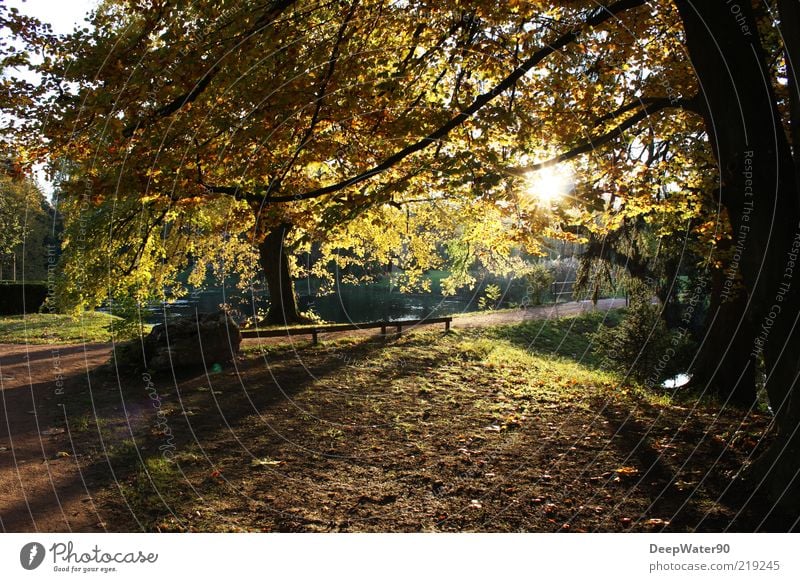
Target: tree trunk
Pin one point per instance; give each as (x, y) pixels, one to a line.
(759, 191)
(725, 362)
(790, 31)
(282, 298)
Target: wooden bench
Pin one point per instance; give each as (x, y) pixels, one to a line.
(315, 330)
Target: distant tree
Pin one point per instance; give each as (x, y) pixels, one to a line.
(12, 205)
(24, 218)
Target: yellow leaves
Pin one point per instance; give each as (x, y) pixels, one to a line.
(627, 471)
(187, 201)
(265, 102)
(153, 172)
(148, 198)
(315, 169)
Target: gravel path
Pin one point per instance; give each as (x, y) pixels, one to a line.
(41, 486)
(484, 319)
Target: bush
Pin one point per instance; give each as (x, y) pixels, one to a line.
(537, 283)
(641, 346)
(126, 321)
(18, 297)
(490, 299)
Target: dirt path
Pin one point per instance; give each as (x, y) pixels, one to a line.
(484, 319)
(42, 487)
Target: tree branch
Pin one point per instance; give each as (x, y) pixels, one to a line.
(178, 103)
(595, 142)
(321, 93)
(634, 263)
(597, 17)
(688, 104)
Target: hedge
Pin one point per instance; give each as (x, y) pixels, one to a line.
(17, 297)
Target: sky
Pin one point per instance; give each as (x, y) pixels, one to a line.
(63, 15)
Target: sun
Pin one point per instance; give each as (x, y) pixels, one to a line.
(550, 185)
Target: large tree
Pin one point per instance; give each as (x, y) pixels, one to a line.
(187, 126)
(312, 115)
(745, 68)
(757, 185)
(282, 120)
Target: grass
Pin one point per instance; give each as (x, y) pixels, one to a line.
(481, 384)
(417, 393)
(405, 434)
(568, 337)
(153, 492)
(528, 379)
(57, 328)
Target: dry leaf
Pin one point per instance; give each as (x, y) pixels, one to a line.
(265, 462)
(627, 471)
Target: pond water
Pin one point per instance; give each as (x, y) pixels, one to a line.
(677, 381)
(350, 304)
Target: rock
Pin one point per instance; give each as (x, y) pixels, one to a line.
(202, 340)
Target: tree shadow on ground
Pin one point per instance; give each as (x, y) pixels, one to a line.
(686, 471)
(123, 424)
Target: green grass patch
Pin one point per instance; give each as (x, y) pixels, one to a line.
(57, 328)
(567, 337)
(85, 422)
(153, 491)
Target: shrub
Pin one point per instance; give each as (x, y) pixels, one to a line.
(491, 297)
(537, 282)
(18, 297)
(642, 346)
(127, 322)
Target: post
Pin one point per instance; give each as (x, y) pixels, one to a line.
(447, 325)
(314, 335)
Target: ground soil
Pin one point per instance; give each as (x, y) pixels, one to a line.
(364, 434)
